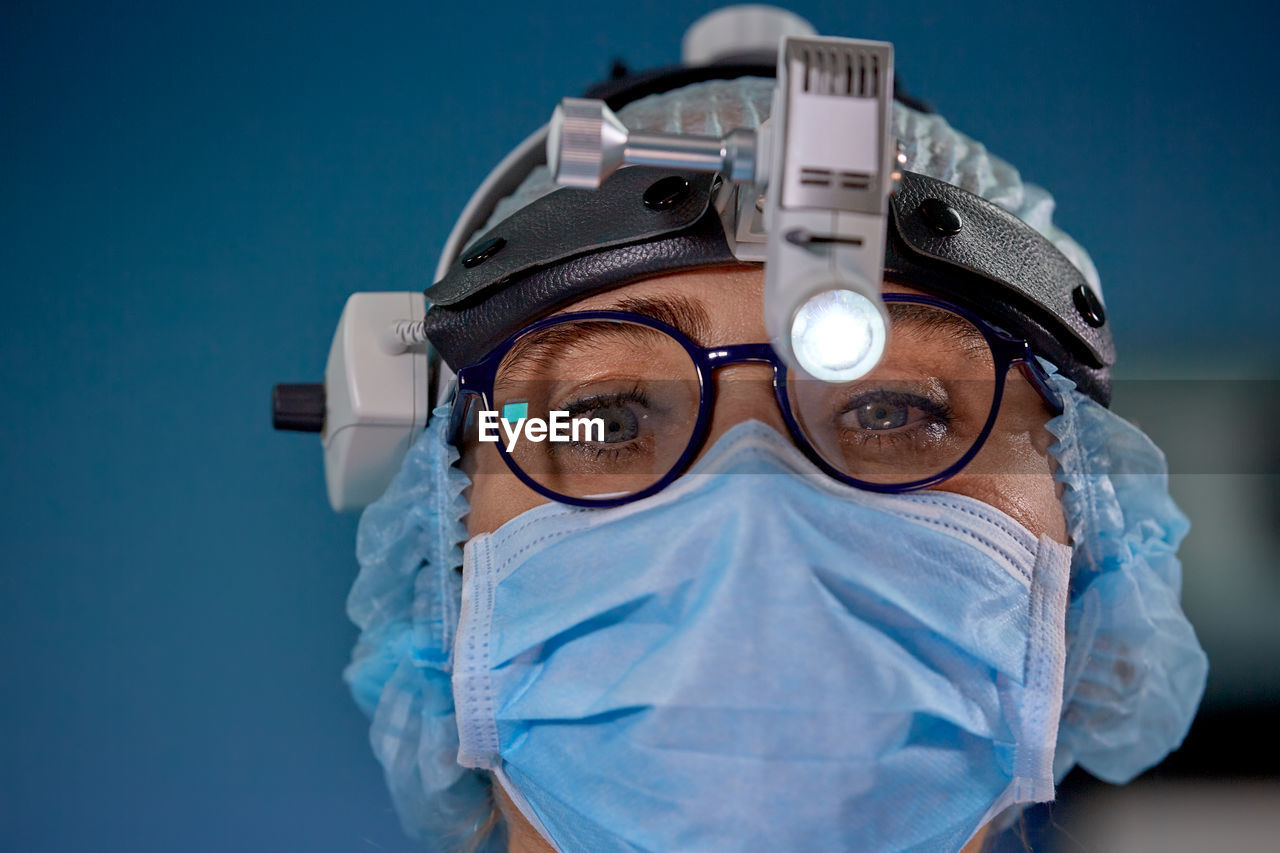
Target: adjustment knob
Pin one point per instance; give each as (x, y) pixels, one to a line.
(298, 407)
(586, 143)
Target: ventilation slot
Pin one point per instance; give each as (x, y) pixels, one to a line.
(833, 71)
(815, 177)
(855, 180)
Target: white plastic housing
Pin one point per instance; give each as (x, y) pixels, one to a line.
(376, 401)
(830, 177)
(737, 30)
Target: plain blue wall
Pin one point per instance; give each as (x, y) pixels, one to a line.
(191, 192)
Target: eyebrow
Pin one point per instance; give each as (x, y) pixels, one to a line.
(545, 349)
(687, 315)
(928, 319)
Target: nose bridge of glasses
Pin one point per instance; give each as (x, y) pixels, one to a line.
(746, 391)
(718, 357)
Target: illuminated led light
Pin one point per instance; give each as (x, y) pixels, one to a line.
(838, 336)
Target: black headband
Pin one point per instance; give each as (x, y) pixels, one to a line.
(942, 239)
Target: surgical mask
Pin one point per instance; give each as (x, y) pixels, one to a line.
(759, 657)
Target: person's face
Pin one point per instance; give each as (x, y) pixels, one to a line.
(1013, 472)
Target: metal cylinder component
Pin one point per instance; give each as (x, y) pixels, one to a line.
(587, 143)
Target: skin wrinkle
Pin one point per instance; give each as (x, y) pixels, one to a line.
(1013, 472)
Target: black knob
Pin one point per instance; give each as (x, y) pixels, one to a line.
(666, 193)
(941, 216)
(1089, 305)
(298, 407)
(483, 252)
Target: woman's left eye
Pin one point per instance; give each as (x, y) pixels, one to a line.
(882, 415)
(885, 411)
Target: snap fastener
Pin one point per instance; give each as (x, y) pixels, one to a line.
(941, 216)
(666, 193)
(1089, 305)
(483, 252)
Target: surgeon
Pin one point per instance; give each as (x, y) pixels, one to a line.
(737, 607)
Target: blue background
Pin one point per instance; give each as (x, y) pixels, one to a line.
(190, 191)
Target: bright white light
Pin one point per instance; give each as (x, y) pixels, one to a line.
(838, 336)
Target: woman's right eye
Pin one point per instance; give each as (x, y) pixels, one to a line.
(620, 415)
(620, 422)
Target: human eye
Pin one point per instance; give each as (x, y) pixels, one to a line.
(622, 416)
(887, 417)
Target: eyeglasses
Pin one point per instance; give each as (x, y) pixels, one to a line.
(625, 401)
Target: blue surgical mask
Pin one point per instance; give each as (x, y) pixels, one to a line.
(759, 657)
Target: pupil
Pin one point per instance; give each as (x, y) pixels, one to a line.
(881, 416)
(620, 423)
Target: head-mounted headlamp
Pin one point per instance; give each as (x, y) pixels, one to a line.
(828, 223)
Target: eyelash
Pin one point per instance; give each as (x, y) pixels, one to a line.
(935, 413)
(635, 395)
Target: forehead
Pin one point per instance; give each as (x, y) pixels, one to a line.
(713, 306)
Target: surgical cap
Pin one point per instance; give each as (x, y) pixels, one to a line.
(932, 147)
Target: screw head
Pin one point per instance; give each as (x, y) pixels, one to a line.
(1089, 305)
(666, 193)
(483, 252)
(941, 216)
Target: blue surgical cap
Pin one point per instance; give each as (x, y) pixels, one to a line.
(932, 147)
(1135, 670)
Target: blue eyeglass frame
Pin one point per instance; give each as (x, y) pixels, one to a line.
(476, 381)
